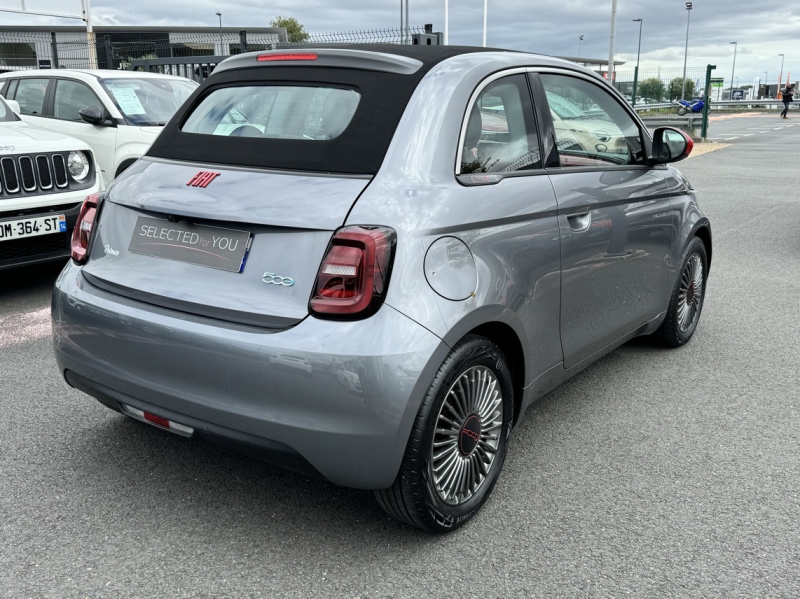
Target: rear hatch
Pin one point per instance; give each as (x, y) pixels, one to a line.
(271, 151)
(150, 235)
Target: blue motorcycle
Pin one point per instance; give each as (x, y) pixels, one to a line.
(693, 105)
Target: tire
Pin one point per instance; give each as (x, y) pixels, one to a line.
(682, 110)
(421, 495)
(679, 326)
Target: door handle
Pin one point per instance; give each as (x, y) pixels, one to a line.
(580, 222)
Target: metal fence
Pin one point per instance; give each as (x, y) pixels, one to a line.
(23, 50)
(660, 85)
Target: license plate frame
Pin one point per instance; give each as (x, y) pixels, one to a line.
(33, 226)
(190, 243)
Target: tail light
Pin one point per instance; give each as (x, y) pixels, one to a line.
(354, 275)
(82, 233)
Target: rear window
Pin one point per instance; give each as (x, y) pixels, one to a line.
(293, 118)
(302, 112)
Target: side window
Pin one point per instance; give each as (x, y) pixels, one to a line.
(70, 97)
(501, 134)
(591, 127)
(30, 95)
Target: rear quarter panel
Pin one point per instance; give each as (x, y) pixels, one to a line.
(510, 228)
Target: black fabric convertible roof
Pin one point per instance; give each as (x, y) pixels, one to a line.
(360, 149)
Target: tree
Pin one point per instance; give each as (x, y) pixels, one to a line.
(294, 29)
(676, 85)
(651, 88)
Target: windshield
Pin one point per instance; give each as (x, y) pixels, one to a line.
(146, 101)
(304, 112)
(6, 114)
(563, 108)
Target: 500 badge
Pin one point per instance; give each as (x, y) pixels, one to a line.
(273, 279)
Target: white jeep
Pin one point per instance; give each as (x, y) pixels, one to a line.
(44, 178)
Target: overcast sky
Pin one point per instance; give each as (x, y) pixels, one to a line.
(762, 29)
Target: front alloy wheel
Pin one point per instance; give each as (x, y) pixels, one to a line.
(691, 292)
(458, 441)
(686, 301)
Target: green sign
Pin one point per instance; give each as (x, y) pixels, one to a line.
(717, 82)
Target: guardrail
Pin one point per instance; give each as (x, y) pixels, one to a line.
(714, 104)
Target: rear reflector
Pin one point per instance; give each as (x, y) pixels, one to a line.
(281, 57)
(158, 421)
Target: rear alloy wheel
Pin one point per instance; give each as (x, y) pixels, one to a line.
(688, 294)
(458, 443)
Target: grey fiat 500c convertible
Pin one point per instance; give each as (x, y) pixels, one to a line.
(365, 263)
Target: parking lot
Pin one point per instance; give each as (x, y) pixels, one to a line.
(654, 473)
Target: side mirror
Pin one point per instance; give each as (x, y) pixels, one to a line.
(92, 115)
(14, 106)
(670, 145)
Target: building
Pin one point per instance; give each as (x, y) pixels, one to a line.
(28, 47)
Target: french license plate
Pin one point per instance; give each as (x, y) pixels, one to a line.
(31, 227)
(225, 249)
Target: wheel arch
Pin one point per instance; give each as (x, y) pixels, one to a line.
(703, 232)
(502, 335)
(503, 328)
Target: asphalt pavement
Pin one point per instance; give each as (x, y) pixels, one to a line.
(653, 473)
(753, 127)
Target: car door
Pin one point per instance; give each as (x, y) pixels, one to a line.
(69, 96)
(614, 215)
(514, 209)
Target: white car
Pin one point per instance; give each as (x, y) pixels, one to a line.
(44, 178)
(118, 113)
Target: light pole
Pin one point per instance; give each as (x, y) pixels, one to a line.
(219, 14)
(686, 49)
(636, 70)
(485, 16)
(446, 22)
(408, 26)
(780, 79)
(733, 70)
(580, 39)
(611, 42)
(766, 84)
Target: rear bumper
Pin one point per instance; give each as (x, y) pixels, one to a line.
(347, 420)
(42, 248)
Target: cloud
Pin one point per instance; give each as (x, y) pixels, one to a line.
(763, 29)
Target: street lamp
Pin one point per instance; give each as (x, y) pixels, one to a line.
(638, 55)
(219, 14)
(446, 22)
(733, 70)
(780, 79)
(686, 49)
(580, 39)
(611, 42)
(485, 16)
